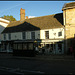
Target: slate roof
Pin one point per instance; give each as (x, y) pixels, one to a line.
(69, 5)
(37, 23)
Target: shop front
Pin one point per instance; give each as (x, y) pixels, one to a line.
(53, 47)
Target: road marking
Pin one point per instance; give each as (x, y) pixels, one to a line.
(19, 71)
(33, 71)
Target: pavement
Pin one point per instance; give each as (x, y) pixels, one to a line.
(39, 57)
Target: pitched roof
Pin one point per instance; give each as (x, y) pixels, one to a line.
(69, 5)
(37, 23)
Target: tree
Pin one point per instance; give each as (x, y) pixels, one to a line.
(10, 18)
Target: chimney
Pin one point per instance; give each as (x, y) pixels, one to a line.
(22, 14)
(26, 17)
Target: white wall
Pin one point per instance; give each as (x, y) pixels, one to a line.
(51, 33)
(3, 24)
(4, 20)
(18, 35)
(38, 34)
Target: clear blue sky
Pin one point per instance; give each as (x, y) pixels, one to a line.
(32, 8)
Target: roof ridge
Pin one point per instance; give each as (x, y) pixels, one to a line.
(42, 16)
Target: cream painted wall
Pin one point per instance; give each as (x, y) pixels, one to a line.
(51, 33)
(3, 25)
(38, 34)
(4, 20)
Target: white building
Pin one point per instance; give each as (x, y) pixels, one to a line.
(44, 32)
(3, 25)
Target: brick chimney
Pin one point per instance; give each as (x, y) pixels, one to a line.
(26, 17)
(22, 14)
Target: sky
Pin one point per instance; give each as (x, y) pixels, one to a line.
(32, 8)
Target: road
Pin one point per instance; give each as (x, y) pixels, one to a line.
(24, 66)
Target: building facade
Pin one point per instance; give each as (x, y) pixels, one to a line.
(69, 23)
(3, 25)
(55, 33)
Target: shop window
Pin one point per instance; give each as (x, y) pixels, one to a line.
(24, 46)
(59, 33)
(30, 46)
(51, 48)
(59, 47)
(47, 34)
(15, 46)
(47, 45)
(19, 46)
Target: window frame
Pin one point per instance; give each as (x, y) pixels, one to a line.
(9, 36)
(60, 33)
(4, 36)
(32, 35)
(23, 35)
(46, 34)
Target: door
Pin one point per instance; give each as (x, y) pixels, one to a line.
(60, 48)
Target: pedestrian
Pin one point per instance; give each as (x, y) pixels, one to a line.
(36, 50)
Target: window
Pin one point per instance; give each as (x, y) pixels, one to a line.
(47, 34)
(9, 36)
(24, 46)
(38, 36)
(47, 45)
(19, 46)
(24, 35)
(15, 46)
(51, 48)
(30, 46)
(32, 35)
(59, 33)
(4, 36)
(60, 47)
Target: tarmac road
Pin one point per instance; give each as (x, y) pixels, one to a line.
(39, 66)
